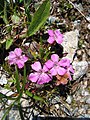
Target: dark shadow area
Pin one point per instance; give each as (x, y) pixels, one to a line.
(58, 118)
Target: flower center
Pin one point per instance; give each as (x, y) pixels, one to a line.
(55, 36)
(55, 64)
(41, 71)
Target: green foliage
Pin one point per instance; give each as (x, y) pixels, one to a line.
(1, 6)
(34, 96)
(9, 42)
(2, 96)
(27, 10)
(17, 80)
(39, 17)
(20, 1)
(15, 18)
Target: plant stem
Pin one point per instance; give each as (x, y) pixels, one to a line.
(20, 110)
(17, 80)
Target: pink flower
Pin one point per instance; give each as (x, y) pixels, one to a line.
(15, 57)
(55, 36)
(40, 76)
(66, 64)
(54, 66)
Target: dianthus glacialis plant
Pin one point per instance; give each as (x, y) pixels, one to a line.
(53, 66)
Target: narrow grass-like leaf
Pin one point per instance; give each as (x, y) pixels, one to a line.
(39, 17)
(34, 96)
(9, 43)
(2, 95)
(17, 80)
(7, 111)
(23, 82)
(5, 12)
(1, 6)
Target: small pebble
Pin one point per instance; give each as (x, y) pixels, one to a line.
(69, 99)
(88, 100)
(88, 26)
(57, 106)
(85, 93)
(88, 18)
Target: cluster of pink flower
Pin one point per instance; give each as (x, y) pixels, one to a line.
(52, 67)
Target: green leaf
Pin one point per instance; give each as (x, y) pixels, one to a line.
(17, 79)
(15, 19)
(20, 1)
(34, 96)
(9, 43)
(39, 17)
(7, 111)
(27, 9)
(24, 82)
(1, 6)
(2, 95)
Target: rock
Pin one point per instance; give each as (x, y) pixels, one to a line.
(57, 106)
(80, 68)
(85, 93)
(76, 23)
(14, 115)
(74, 112)
(52, 19)
(87, 115)
(85, 84)
(3, 79)
(81, 111)
(88, 26)
(88, 18)
(79, 6)
(88, 100)
(70, 43)
(88, 111)
(55, 100)
(6, 92)
(69, 99)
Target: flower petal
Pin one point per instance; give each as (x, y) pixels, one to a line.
(18, 51)
(59, 39)
(20, 63)
(58, 33)
(36, 66)
(49, 64)
(71, 69)
(64, 81)
(34, 77)
(11, 62)
(51, 32)
(70, 78)
(55, 57)
(61, 71)
(11, 55)
(53, 71)
(51, 40)
(24, 58)
(45, 68)
(64, 62)
(44, 78)
(58, 36)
